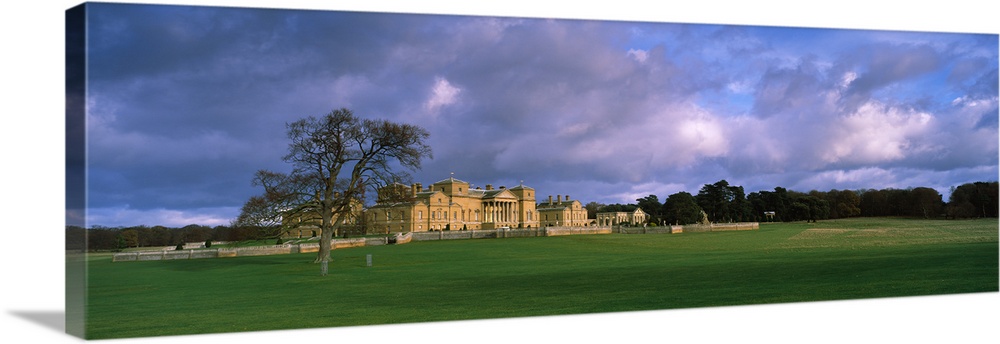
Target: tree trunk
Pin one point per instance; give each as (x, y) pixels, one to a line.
(325, 246)
(325, 243)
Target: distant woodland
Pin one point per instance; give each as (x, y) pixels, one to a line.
(719, 202)
(722, 202)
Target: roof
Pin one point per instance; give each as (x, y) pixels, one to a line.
(519, 187)
(559, 203)
(637, 210)
(496, 192)
(451, 180)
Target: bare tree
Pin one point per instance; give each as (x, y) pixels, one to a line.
(335, 159)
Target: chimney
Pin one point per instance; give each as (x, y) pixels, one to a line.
(567, 198)
(418, 187)
(413, 190)
(489, 187)
(550, 199)
(502, 187)
(558, 198)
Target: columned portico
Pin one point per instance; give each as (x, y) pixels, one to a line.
(500, 211)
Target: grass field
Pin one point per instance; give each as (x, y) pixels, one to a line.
(494, 278)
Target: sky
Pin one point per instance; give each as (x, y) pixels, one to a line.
(185, 103)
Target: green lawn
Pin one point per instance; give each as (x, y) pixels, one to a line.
(492, 278)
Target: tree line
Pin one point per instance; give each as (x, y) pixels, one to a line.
(721, 202)
(100, 238)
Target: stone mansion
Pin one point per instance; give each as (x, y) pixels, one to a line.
(452, 204)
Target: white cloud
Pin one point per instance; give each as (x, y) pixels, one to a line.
(442, 94)
(702, 136)
(637, 191)
(740, 87)
(126, 216)
(971, 110)
(850, 179)
(875, 133)
(847, 79)
(638, 54)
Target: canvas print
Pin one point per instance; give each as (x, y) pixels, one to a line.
(244, 169)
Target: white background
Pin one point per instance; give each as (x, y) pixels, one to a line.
(32, 193)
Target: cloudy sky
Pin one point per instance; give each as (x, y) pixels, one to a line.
(184, 104)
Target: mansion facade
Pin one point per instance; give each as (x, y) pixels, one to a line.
(563, 213)
(451, 204)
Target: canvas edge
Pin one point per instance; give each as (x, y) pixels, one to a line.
(76, 241)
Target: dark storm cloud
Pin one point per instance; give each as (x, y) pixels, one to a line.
(882, 65)
(798, 91)
(185, 103)
(985, 85)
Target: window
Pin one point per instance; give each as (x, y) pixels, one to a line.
(420, 215)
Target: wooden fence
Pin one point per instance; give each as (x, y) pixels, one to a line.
(420, 236)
